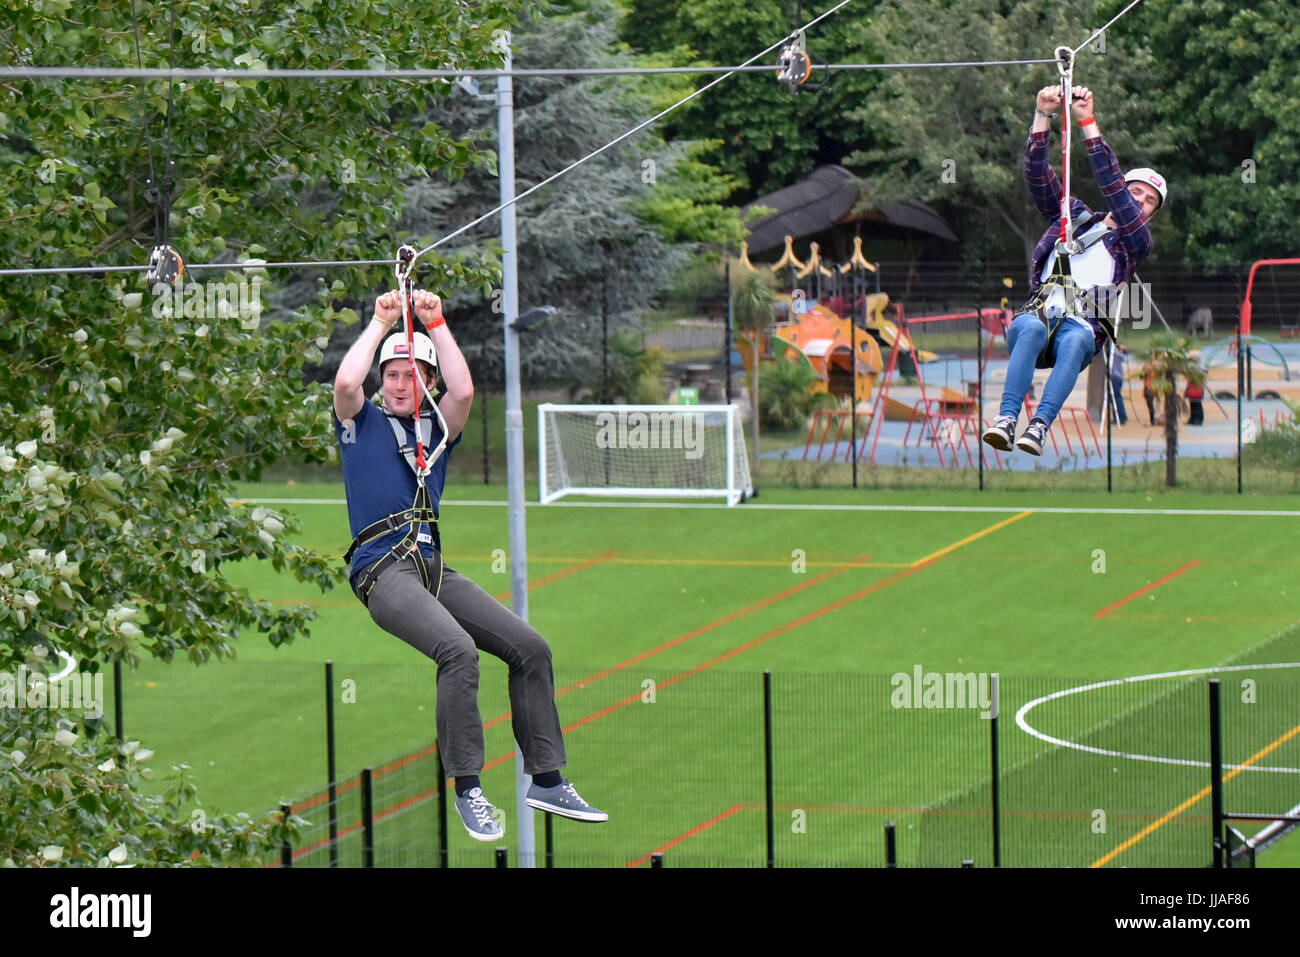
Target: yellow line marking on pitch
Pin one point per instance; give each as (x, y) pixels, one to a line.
(970, 538)
(1166, 818)
(747, 562)
(327, 602)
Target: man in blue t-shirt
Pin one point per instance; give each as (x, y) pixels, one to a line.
(396, 562)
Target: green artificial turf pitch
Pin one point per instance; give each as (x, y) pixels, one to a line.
(662, 621)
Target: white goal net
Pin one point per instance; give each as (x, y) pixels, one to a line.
(640, 451)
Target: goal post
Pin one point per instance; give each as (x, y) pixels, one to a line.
(642, 451)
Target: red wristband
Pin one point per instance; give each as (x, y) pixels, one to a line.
(440, 321)
(1086, 120)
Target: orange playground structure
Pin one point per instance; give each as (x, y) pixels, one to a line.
(848, 361)
(824, 341)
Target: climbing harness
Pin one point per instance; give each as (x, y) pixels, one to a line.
(1076, 301)
(421, 513)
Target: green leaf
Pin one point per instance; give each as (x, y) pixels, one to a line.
(237, 393)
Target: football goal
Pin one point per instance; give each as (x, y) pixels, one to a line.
(642, 451)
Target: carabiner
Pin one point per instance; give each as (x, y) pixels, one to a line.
(404, 264)
(1064, 60)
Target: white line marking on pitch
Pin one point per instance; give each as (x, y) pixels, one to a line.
(1024, 725)
(774, 507)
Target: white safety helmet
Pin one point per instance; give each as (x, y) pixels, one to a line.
(395, 347)
(1145, 174)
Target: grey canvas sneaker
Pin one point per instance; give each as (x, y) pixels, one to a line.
(479, 816)
(563, 800)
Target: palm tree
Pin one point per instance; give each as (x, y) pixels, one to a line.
(1169, 356)
(753, 299)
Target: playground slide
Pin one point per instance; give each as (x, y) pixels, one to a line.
(889, 332)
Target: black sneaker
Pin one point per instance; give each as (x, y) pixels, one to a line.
(1032, 440)
(1001, 433)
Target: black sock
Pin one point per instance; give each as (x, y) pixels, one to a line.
(549, 779)
(466, 784)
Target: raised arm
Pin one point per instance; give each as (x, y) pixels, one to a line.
(350, 380)
(455, 405)
(1044, 187)
(1124, 209)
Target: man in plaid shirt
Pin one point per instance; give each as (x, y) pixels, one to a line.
(1049, 332)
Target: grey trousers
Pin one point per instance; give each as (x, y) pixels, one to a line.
(450, 629)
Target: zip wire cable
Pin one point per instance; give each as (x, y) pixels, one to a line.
(1065, 246)
(165, 263)
(393, 74)
(166, 190)
(405, 265)
(402, 272)
(636, 129)
(305, 73)
(232, 266)
(485, 216)
(1065, 66)
(144, 123)
(1065, 59)
(1097, 33)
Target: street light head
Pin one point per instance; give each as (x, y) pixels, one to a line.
(533, 317)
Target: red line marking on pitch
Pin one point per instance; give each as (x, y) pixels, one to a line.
(789, 626)
(1204, 619)
(342, 788)
(957, 811)
(562, 573)
(884, 583)
(717, 623)
(345, 832)
(687, 836)
(726, 619)
(1142, 591)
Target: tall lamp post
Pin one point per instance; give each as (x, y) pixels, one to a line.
(514, 414)
(512, 326)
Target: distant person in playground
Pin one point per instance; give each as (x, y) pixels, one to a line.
(1149, 392)
(1196, 401)
(1046, 333)
(397, 569)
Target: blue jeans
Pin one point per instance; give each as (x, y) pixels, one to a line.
(1117, 389)
(1072, 350)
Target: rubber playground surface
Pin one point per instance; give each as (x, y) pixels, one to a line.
(663, 619)
(1075, 441)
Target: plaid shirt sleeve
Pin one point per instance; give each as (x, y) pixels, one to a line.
(1133, 233)
(1044, 187)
